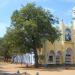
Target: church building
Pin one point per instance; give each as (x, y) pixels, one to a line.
(61, 51)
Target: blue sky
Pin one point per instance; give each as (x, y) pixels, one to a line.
(60, 8)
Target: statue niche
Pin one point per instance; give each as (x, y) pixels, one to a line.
(67, 35)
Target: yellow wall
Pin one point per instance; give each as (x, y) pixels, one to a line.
(60, 45)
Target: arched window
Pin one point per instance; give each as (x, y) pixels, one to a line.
(51, 57)
(68, 56)
(58, 57)
(67, 34)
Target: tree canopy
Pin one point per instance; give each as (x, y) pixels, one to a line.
(29, 27)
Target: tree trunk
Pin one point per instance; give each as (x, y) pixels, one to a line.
(21, 59)
(35, 53)
(36, 58)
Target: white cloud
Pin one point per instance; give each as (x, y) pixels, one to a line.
(50, 9)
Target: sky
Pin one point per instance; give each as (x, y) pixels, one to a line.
(59, 8)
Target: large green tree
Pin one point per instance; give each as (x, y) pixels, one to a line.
(31, 25)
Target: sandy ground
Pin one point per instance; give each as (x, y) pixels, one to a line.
(8, 69)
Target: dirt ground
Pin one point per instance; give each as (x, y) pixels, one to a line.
(9, 69)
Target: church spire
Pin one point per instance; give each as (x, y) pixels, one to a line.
(62, 24)
(73, 13)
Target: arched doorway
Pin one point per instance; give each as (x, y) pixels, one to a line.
(68, 56)
(51, 58)
(58, 57)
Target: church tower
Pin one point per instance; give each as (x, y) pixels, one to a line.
(62, 27)
(73, 18)
(73, 25)
(73, 32)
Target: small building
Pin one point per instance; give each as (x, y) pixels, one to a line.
(27, 58)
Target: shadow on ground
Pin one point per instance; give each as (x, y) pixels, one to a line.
(49, 68)
(42, 68)
(5, 73)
